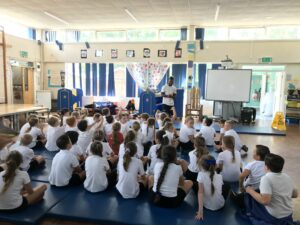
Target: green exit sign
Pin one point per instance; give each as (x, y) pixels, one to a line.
(24, 54)
(266, 60)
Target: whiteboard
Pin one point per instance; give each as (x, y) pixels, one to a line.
(43, 98)
(228, 85)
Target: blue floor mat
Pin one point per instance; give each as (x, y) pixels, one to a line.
(42, 174)
(33, 214)
(45, 153)
(110, 208)
(241, 129)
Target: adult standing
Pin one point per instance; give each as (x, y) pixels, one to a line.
(168, 93)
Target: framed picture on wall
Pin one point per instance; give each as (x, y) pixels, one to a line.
(146, 53)
(162, 53)
(178, 53)
(114, 53)
(83, 53)
(98, 53)
(130, 53)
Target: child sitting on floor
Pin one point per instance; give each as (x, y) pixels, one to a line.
(38, 139)
(195, 157)
(171, 133)
(229, 131)
(254, 170)
(130, 137)
(229, 161)
(208, 132)
(154, 155)
(108, 126)
(16, 192)
(30, 161)
(160, 118)
(222, 132)
(71, 124)
(212, 193)
(65, 168)
(76, 150)
(139, 138)
(186, 135)
(125, 125)
(53, 133)
(132, 178)
(98, 173)
(87, 131)
(106, 149)
(168, 187)
(116, 138)
(273, 205)
(148, 130)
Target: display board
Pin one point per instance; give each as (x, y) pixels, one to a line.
(43, 98)
(228, 85)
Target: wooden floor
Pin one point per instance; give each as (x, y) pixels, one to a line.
(287, 146)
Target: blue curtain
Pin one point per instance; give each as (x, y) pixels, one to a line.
(77, 35)
(130, 85)
(102, 79)
(216, 66)
(80, 75)
(202, 77)
(32, 33)
(140, 90)
(94, 72)
(183, 34)
(73, 74)
(111, 80)
(163, 81)
(179, 73)
(88, 78)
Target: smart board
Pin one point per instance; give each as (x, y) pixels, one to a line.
(228, 85)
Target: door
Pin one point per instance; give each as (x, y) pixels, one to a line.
(28, 85)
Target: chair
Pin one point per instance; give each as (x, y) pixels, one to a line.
(194, 108)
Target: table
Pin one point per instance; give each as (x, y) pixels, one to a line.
(14, 110)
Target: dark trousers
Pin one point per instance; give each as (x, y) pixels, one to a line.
(167, 109)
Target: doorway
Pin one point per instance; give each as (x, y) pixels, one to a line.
(267, 90)
(23, 85)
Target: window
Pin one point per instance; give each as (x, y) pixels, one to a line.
(247, 34)
(87, 36)
(61, 36)
(216, 34)
(283, 32)
(14, 29)
(169, 35)
(110, 36)
(72, 36)
(120, 79)
(142, 35)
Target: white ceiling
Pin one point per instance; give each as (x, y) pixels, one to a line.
(110, 14)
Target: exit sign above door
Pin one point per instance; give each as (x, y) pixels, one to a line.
(24, 54)
(266, 60)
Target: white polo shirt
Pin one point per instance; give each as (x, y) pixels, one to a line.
(27, 156)
(168, 90)
(62, 168)
(208, 133)
(231, 170)
(53, 134)
(96, 168)
(237, 140)
(128, 185)
(185, 132)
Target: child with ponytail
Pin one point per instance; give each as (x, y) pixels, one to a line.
(115, 139)
(16, 192)
(195, 157)
(154, 155)
(229, 161)
(139, 137)
(132, 179)
(130, 137)
(211, 192)
(168, 187)
(38, 138)
(98, 173)
(148, 130)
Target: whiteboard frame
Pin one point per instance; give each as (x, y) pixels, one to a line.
(206, 81)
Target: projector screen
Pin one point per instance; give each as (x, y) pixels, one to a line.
(228, 85)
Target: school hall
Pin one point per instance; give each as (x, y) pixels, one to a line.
(142, 112)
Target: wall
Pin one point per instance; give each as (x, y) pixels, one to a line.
(14, 46)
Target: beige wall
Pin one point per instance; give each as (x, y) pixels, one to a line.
(14, 46)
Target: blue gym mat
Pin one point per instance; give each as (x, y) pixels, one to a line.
(33, 214)
(241, 129)
(42, 174)
(110, 208)
(45, 153)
